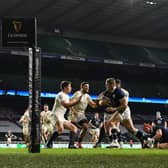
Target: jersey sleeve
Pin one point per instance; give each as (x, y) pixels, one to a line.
(76, 95)
(89, 99)
(120, 94)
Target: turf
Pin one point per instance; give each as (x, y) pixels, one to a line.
(84, 158)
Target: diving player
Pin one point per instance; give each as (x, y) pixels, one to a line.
(158, 135)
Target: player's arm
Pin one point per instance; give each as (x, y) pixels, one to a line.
(165, 124)
(92, 103)
(123, 105)
(73, 111)
(158, 135)
(71, 103)
(21, 119)
(103, 100)
(101, 125)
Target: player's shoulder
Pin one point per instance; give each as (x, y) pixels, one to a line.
(125, 91)
(48, 112)
(78, 92)
(62, 95)
(118, 90)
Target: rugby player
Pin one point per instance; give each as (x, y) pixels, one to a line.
(62, 103)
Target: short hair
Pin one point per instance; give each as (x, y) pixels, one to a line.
(45, 104)
(64, 84)
(84, 83)
(110, 80)
(118, 81)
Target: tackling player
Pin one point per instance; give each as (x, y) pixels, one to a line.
(62, 102)
(78, 112)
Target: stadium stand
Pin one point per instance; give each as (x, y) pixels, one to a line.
(90, 48)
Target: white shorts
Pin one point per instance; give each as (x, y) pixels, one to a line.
(49, 127)
(59, 118)
(78, 117)
(126, 114)
(26, 131)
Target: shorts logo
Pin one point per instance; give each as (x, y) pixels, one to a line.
(17, 25)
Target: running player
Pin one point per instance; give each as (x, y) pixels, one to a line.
(46, 125)
(78, 112)
(118, 111)
(62, 102)
(25, 121)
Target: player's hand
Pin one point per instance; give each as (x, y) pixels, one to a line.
(110, 109)
(104, 101)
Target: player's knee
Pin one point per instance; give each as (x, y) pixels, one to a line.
(74, 129)
(60, 130)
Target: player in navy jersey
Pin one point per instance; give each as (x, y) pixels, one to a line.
(96, 124)
(116, 112)
(158, 135)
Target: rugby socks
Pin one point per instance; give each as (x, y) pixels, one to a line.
(119, 136)
(102, 134)
(114, 132)
(82, 134)
(72, 138)
(52, 138)
(139, 135)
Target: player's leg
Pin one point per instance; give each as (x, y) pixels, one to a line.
(96, 135)
(70, 126)
(163, 145)
(42, 134)
(129, 125)
(60, 128)
(73, 134)
(102, 135)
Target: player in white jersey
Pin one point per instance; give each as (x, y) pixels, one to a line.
(25, 121)
(62, 102)
(78, 112)
(46, 125)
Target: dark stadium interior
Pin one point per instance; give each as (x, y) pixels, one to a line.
(121, 39)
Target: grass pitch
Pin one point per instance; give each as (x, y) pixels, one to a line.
(84, 158)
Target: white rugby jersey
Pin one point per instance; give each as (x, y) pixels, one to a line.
(82, 105)
(58, 108)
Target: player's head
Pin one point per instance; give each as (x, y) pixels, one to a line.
(84, 87)
(66, 86)
(147, 127)
(45, 107)
(96, 115)
(9, 132)
(110, 83)
(118, 83)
